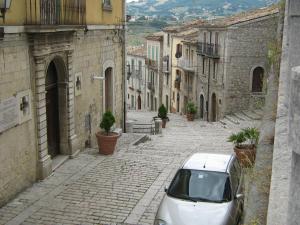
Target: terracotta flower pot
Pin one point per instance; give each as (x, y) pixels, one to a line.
(164, 123)
(190, 116)
(246, 155)
(107, 143)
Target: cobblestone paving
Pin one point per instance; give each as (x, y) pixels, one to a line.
(125, 188)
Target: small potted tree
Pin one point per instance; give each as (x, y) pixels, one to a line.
(107, 140)
(191, 111)
(163, 115)
(245, 143)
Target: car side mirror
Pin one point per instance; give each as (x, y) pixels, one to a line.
(239, 196)
(166, 189)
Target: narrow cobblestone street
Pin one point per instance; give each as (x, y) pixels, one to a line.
(125, 188)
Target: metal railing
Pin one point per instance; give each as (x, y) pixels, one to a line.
(210, 50)
(55, 12)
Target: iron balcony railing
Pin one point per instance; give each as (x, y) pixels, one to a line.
(210, 50)
(55, 12)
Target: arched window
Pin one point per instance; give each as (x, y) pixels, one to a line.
(257, 79)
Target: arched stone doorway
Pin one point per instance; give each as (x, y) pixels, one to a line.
(201, 107)
(108, 89)
(52, 110)
(214, 107)
(139, 101)
(257, 80)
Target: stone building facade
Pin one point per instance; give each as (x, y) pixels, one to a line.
(154, 66)
(136, 78)
(226, 64)
(59, 74)
(284, 199)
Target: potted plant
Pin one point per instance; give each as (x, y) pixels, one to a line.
(245, 143)
(163, 115)
(191, 111)
(107, 140)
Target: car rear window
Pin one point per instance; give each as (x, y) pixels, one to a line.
(197, 185)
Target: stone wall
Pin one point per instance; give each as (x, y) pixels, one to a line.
(284, 191)
(24, 61)
(94, 52)
(247, 47)
(17, 144)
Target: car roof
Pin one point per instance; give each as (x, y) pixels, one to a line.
(208, 162)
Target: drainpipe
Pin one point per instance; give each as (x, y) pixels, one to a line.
(208, 82)
(124, 68)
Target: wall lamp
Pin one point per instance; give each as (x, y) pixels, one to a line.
(94, 77)
(4, 6)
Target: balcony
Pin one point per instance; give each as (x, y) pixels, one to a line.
(55, 12)
(152, 64)
(185, 64)
(209, 50)
(150, 86)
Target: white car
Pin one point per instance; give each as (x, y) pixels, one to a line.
(206, 190)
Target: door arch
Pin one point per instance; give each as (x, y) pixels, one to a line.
(108, 89)
(139, 102)
(201, 107)
(52, 110)
(214, 107)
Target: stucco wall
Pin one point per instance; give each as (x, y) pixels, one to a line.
(17, 145)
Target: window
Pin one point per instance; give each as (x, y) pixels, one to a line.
(153, 53)
(132, 66)
(157, 53)
(192, 58)
(204, 38)
(216, 38)
(178, 51)
(257, 79)
(215, 70)
(173, 96)
(140, 68)
(149, 52)
(186, 53)
(203, 65)
(148, 99)
(107, 5)
(167, 79)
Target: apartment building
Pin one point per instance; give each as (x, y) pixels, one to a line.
(154, 64)
(61, 67)
(136, 78)
(222, 64)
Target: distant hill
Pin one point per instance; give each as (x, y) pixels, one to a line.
(190, 9)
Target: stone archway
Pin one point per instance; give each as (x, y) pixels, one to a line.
(201, 107)
(213, 107)
(53, 74)
(139, 101)
(108, 97)
(108, 86)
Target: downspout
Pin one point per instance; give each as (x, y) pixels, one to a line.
(124, 67)
(208, 83)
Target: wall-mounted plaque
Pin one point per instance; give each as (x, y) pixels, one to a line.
(9, 113)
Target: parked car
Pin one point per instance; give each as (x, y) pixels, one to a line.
(206, 190)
